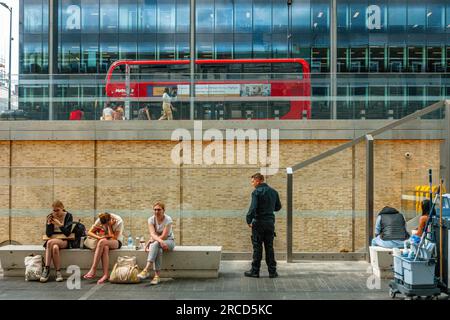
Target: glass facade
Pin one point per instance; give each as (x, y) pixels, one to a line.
(379, 36)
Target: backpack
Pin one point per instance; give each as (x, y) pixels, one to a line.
(80, 232)
(125, 271)
(33, 267)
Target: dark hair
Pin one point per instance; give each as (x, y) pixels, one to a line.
(426, 207)
(258, 176)
(167, 90)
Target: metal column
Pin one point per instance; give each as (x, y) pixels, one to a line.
(445, 165)
(290, 183)
(192, 63)
(52, 52)
(369, 190)
(128, 90)
(333, 58)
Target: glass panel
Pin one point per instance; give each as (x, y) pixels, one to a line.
(32, 19)
(224, 46)
(357, 17)
(262, 16)
(224, 16)
(147, 47)
(243, 15)
(128, 16)
(166, 16)
(109, 20)
(127, 47)
(242, 46)
(280, 15)
(434, 61)
(358, 60)
(397, 15)
(205, 46)
(90, 16)
(89, 57)
(416, 16)
(377, 59)
(416, 59)
(166, 46)
(108, 51)
(396, 58)
(147, 16)
(262, 45)
(435, 15)
(183, 16)
(301, 17)
(205, 16)
(320, 16)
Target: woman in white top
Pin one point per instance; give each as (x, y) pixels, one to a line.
(167, 105)
(108, 113)
(108, 229)
(161, 239)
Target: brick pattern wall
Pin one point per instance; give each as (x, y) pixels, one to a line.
(208, 203)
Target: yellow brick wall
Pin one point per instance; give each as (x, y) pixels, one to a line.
(208, 203)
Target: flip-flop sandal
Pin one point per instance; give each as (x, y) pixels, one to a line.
(89, 277)
(102, 281)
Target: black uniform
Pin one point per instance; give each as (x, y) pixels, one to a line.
(265, 201)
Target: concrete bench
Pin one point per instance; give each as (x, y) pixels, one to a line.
(182, 262)
(382, 262)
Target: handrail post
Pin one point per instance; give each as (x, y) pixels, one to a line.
(446, 148)
(290, 182)
(369, 191)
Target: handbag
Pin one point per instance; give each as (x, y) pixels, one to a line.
(33, 267)
(125, 271)
(90, 243)
(60, 236)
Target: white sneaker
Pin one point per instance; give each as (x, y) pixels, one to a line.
(143, 275)
(59, 277)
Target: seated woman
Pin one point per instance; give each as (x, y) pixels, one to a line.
(161, 238)
(390, 229)
(111, 238)
(58, 222)
(426, 207)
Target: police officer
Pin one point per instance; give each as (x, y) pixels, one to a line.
(261, 219)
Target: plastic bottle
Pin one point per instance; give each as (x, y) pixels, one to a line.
(130, 241)
(137, 243)
(142, 243)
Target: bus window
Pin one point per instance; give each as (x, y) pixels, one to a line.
(256, 70)
(293, 71)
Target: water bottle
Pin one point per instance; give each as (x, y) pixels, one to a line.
(130, 241)
(142, 243)
(137, 243)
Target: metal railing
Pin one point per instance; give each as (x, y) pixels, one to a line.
(369, 140)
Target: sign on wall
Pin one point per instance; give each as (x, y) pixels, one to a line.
(73, 21)
(373, 14)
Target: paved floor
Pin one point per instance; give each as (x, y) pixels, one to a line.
(304, 281)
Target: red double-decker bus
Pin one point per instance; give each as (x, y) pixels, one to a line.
(224, 89)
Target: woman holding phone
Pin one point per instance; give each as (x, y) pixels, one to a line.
(59, 221)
